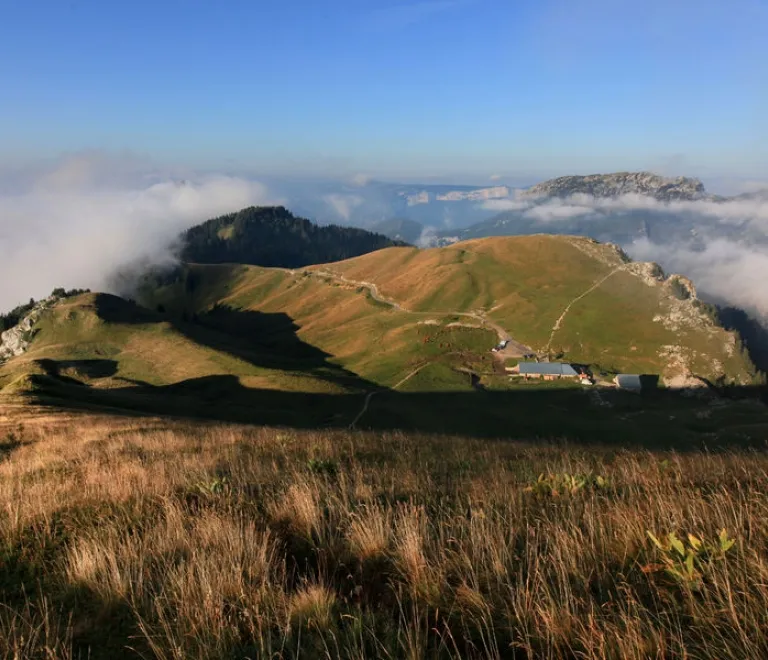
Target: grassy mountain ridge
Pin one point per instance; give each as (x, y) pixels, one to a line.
(631, 321)
(398, 338)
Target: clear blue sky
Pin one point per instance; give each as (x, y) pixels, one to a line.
(407, 87)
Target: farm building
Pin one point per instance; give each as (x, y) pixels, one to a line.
(546, 370)
(635, 382)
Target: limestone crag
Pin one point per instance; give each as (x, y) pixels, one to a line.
(16, 340)
(621, 183)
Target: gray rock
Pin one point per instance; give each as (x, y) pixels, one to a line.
(16, 340)
(621, 183)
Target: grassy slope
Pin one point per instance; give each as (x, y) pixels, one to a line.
(370, 339)
(384, 345)
(145, 347)
(524, 283)
(283, 332)
(152, 538)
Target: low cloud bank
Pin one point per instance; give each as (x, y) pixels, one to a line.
(75, 224)
(428, 238)
(727, 272)
(750, 209)
(343, 205)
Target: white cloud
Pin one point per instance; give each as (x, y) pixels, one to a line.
(556, 210)
(74, 225)
(753, 211)
(505, 205)
(428, 238)
(343, 204)
(361, 179)
(495, 177)
(725, 270)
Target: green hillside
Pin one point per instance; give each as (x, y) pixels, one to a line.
(565, 296)
(101, 349)
(394, 339)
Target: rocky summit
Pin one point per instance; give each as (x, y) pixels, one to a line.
(621, 183)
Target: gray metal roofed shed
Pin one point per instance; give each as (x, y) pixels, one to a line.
(632, 382)
(556, 369)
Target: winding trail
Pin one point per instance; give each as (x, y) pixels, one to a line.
(364, 410)
(513, 348)
(372, 394)
(596, 285)
(502, 334)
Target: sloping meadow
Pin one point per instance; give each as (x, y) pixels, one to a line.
(128, 537)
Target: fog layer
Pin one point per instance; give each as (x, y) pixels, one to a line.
(75, 223)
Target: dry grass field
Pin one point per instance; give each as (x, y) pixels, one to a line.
(144, 537)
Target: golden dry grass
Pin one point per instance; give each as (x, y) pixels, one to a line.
(144, 537)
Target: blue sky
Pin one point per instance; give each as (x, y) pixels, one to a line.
(424, 88)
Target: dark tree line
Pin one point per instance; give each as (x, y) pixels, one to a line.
(273, 236)
(12, 318)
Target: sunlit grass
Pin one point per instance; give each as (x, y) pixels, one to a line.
(172, 540)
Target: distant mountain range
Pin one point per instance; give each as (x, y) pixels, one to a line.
(459, 210)
(374, 202)
(621, 208)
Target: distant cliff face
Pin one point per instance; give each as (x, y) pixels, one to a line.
(479, 195)
(621, 183)
(462, 195)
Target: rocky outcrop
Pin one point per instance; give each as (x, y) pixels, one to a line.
(479, 195)
(474, 195)
(621, 183)
(16, 340)
(681, 287)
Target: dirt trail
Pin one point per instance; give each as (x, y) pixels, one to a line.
(513, 348)
(364, 409)
(596, 285)
(502, 334)
(370, 395)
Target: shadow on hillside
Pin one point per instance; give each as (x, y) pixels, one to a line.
(711, 417)
(659, 420)
(114, 309)
(753, 334)
(84, 368)
(265, 340)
